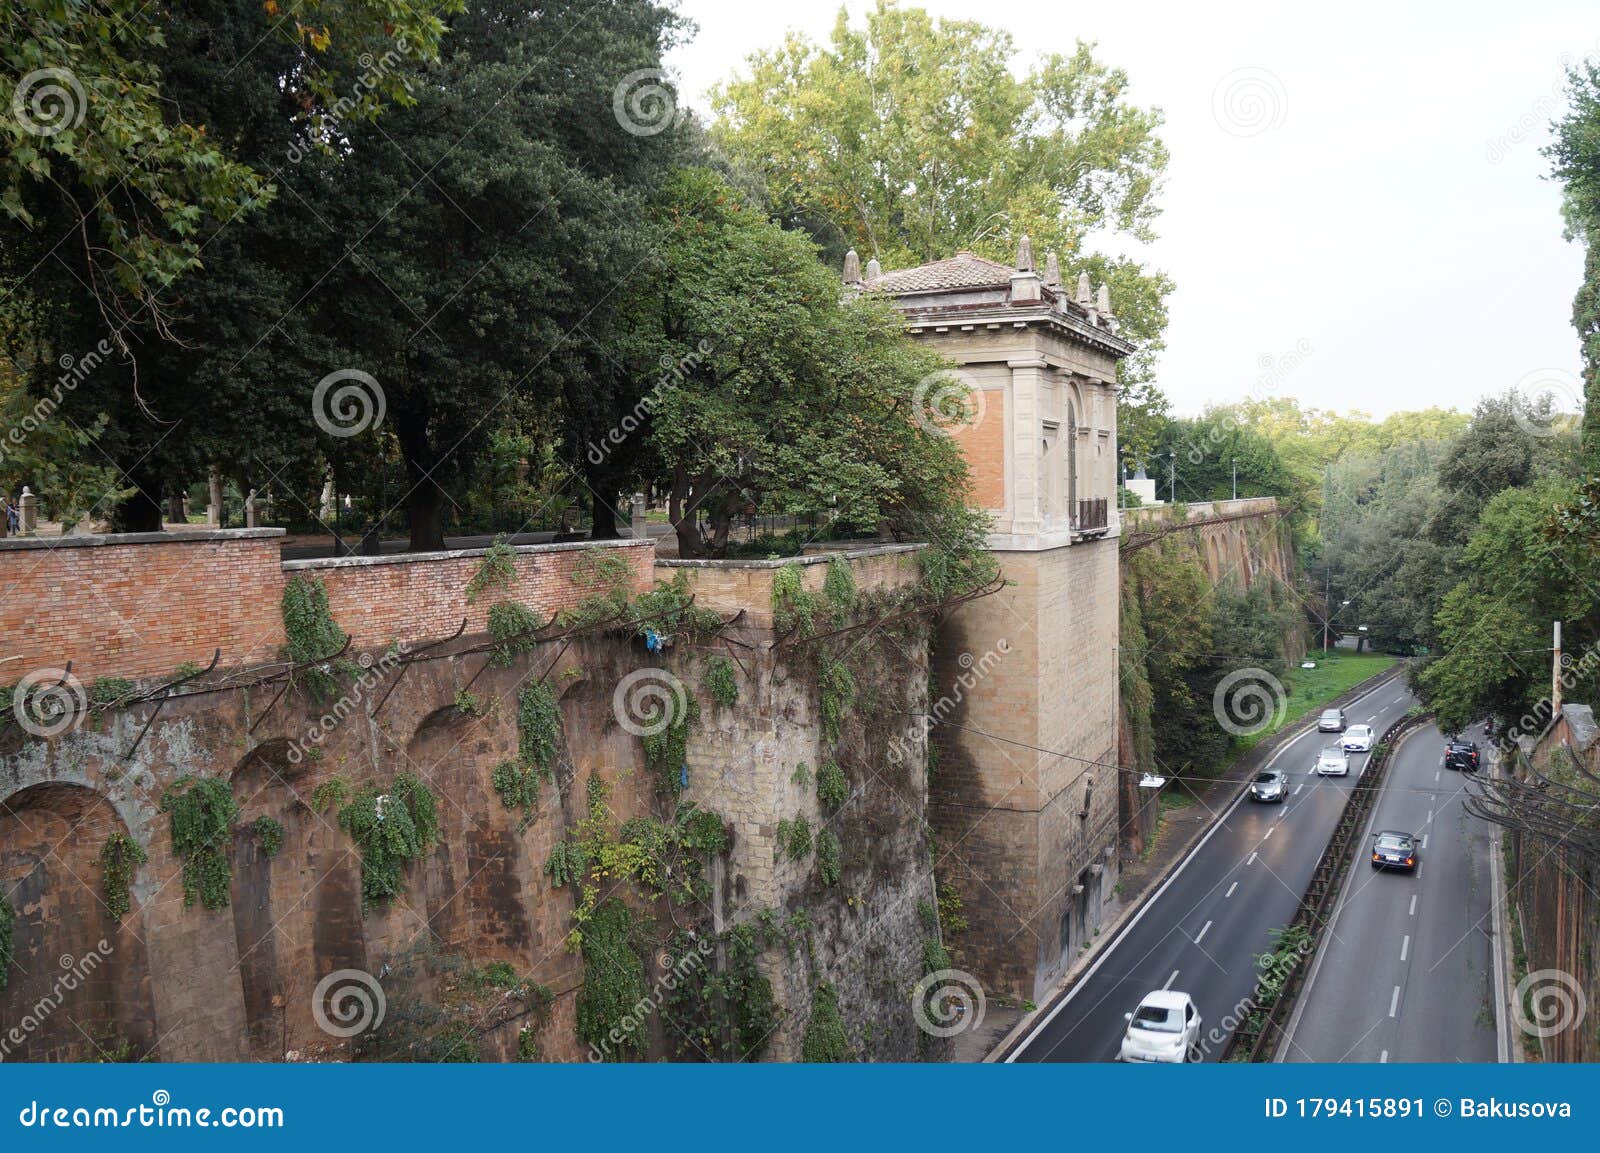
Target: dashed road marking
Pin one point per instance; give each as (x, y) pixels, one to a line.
(1405, 947)
(1231, 888)
(1252, 859)
(1394, 1002)
(1383, 1058)
(1174, 977)
(1202, 932)
(1268, 833)
(1424, 840)
(1298, 787)
(1413, 904)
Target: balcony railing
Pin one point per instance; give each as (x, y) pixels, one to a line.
(1092, 515)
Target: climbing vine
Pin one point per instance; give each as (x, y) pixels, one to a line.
(268, 834)
(663, 858)
(794, 838)
(832, 789)
(8, 948)
(519, 782)
(666, 746)
(120, 858)
(828, 857)
(496, 570)
(838, 685)
(719, 681)
(613, 983)
(203, 811)
(313, 635)
(331, 794)
(825, 1038)
(722, 1015)
(391, 829)
(512, 626)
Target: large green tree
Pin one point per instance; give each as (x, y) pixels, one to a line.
(782, 396)
(910, 138)
(1576, 155)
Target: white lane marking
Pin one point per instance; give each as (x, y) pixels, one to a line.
(1397, 700)
(1383, 1058)
(1429, 821)
(1394, 1002)
(1038, 1027)
(1424, 840)
(1413, 904)
(1405, 947)
(1373, 717)
(1174, 977)
(1298, 787)
(1231, 888)
(1199, 936)
(1436, 776)
(1268, 833)
(1252, 859)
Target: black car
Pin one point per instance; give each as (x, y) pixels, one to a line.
(1392, 850)
(1461, 755)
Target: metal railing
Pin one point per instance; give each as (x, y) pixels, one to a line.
(1093, 514)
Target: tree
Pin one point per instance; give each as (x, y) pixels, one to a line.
(910, 139)
(99, 156)
(784, 398)
(1576, 156)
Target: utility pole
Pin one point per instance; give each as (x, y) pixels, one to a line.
(1172, 475)
(1235, 478)
(1555, 676)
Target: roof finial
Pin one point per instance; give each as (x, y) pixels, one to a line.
(1052, 270)
(852, 267)
(1025, 254)
(874, 269)
(1085, 297)
(1103, 300)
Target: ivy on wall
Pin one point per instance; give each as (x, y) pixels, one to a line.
(519, 782)
(825, 1039)
(202, 814)
(719, 681)
(496, 570)
(120, 858)
(8, 947)
(312, 634)
(613, 983)
(391, 829)
(512, 626)
(794, 837)
(268, 834)
(722, 1015)
(828, 865)
(832, 789)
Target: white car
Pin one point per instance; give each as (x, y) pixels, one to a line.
(1333, 763)
(1165, 1027)
(1358, 739)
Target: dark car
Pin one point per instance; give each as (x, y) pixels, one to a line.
(1270, 786)
(1461, 756)
(1392, 850)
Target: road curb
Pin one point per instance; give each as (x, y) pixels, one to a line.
(1109, 935)
(1500, 902)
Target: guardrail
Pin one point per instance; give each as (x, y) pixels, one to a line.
(1257, 1038)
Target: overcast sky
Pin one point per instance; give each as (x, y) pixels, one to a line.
(1376, 198)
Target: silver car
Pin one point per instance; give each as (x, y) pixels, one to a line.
(1331, 721)
(1270, 787)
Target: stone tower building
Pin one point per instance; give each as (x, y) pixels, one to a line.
(1024, 793)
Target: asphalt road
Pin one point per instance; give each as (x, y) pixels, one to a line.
(1203, 928)
(1406, 972)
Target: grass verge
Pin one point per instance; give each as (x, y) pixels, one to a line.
(1309, 690)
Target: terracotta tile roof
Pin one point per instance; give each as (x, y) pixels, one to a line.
(963, 270)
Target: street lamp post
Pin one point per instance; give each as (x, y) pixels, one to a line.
(1172, 475)
(1235, 478)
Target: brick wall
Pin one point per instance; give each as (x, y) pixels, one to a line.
(141, 604)
(420, 596)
